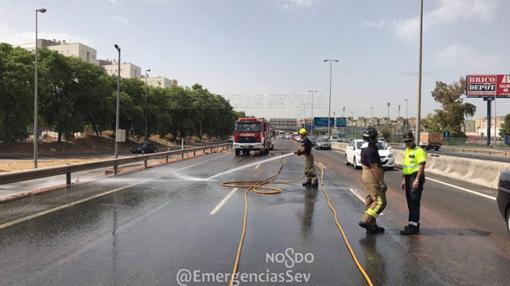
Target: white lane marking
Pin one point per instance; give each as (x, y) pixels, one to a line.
(258, 165)
(248, 166)
(323, 167)
(355, 192)
(462, 189)
(52, 210)
(223, 201)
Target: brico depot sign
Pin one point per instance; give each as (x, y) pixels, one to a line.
(488, 85)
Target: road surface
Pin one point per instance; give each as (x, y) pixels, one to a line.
(143, 228)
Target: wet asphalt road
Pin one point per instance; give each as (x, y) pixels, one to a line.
(159, 221)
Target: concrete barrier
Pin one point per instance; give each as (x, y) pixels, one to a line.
(340, 146)
(480, 172)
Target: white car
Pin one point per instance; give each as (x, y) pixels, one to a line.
(353, 154)
(334, 139)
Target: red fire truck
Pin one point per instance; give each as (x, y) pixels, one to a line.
(252, 133)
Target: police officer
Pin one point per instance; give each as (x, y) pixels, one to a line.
(413, 169)
(372, 177)
(306, 150)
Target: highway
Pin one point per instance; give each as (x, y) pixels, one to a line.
(142, 228)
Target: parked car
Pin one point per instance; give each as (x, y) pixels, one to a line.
(144, 148)
(353, 154)
(504, 197)
(322, 143)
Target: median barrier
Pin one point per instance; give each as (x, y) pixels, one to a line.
(340, 146)
(481, 172)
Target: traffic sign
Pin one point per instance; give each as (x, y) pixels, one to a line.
(322, 122)
(341, 122)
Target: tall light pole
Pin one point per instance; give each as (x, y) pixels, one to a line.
(36, 79)
(330, 83)
(312, 93)
(420, 63)
(146, 133)
(407, 118)
(118, 103)
(388, 111)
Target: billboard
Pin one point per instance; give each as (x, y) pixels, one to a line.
(488, 85)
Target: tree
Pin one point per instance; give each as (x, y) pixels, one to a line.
(454, 109)
(505, 126)
(16, 93)
(74, 95)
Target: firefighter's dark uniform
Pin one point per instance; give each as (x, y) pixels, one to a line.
(306, 150)
(375, 201)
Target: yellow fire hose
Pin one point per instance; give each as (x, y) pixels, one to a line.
(260, 187)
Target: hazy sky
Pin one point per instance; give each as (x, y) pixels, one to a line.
(266, 55)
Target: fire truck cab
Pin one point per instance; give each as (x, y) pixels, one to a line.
(252, 133)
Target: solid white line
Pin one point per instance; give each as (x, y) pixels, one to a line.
(462, 189)
(258, 165)
(355, 193)
(223, 201)
(323, 167)
(52, 210)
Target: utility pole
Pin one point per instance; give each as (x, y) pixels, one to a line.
(36, 91)
(118, 104)
(407, 118)
(312, 93)
(146, 133)
(420, 63)
(388, 111)
(330, 83)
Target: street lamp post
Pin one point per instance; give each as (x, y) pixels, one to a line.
(407, 118)
(420, 63)
(312, 93)
(146, 133)
(330, 83)
(388, 111)
(36, 79)
(118, 104)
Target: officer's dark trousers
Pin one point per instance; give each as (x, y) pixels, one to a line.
(413, 197)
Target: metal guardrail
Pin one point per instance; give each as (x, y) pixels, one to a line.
(13, 177)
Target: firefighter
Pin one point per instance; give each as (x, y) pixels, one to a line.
(372, 177)
(413, 170)
(306, 150)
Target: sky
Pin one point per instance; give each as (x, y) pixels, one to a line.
(264, 56)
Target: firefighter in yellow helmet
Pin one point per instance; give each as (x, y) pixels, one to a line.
(306, 150)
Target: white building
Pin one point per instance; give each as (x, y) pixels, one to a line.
(78, 50)
(160, 81)
(127, 70)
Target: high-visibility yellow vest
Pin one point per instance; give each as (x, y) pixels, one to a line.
(413, 157)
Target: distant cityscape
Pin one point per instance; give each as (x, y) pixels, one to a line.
(472, 127)
(89, 54)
